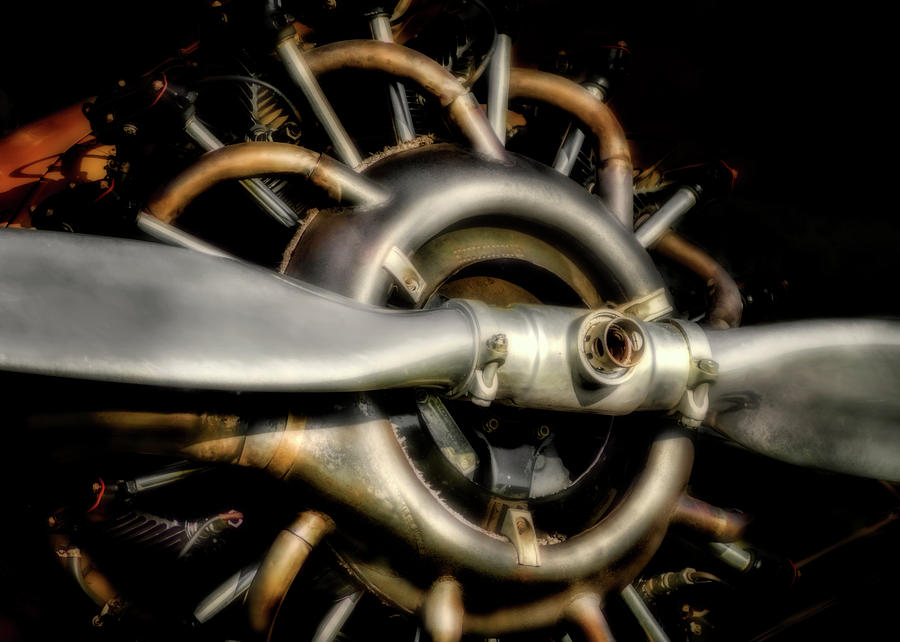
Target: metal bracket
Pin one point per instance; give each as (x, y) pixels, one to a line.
(483, 385)
(694, 406)
(518, 527)
(409, 282)
(446, 434)
(648, 308)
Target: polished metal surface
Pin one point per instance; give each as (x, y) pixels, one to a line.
(439, 188)
(651, 626)
(298, 69)
(498, 85)
(330, 626)
(654, 228)
(376, 478)
(268, 200)
(117, 310)
(568, 152)
(225, 594)
(165, 233)
(544, 361)
(125, 311)
(567, 155)
(731, 554)
(814, 393)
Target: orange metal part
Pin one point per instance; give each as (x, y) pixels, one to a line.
(32, 153)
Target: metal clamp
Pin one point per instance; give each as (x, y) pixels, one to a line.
(484, 384)
(518, 527)
(409, 282)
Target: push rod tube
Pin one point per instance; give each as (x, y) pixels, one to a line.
(264, 197)
(498, 85)
(298, 69)
(380, 25)
(568, 152)
(658, 225)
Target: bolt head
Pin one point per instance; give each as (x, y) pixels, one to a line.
(498, 343)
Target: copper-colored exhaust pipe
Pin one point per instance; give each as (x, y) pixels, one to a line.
(393, 59)
(614, 174)
(718, 524)
(443, 612)
(585, 611)
(246, 160)
(726, 305)
(284, 560)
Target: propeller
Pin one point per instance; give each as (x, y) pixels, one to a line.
(136, 312)
(824, 394)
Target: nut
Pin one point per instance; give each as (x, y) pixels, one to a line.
(498, 343)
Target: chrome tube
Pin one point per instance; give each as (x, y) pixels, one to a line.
(225, 594)
(268, 200)
(735, 556)
(170, 235)
(659, 224)
(293, 58)
(337, 616)
(651, 626)
(380, 25)
(568, 152)
(498, 85)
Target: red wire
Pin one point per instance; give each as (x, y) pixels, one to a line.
(112, 183)
(99, 495)
(161, 91)
(619, 47)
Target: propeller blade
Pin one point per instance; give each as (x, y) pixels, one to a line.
(135, 312)
(824, 394)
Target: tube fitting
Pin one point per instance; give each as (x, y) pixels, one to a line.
(610, 345)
